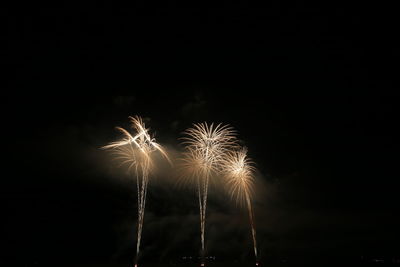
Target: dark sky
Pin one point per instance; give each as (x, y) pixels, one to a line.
(327, 154)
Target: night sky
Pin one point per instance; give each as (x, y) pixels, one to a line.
(306, 87)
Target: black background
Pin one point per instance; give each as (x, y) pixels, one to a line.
(305, 85)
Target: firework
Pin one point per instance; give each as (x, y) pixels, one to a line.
(205, 146)
(238, 170)
(136, 152)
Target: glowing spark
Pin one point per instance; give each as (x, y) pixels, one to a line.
(135, 151)
(239, 171)
(205, 147)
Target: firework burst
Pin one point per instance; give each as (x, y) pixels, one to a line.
(239, 172)
(205, 146)
(136, 152)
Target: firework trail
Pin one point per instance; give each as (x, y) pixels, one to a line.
(239, 171)
(205, 146)
(136, 151)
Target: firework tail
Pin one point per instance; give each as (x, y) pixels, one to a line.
(142, 183)
(253, 229)
(202, 194)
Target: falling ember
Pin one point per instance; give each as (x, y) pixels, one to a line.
(205, 146)
(135, 151)
(238, 170)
